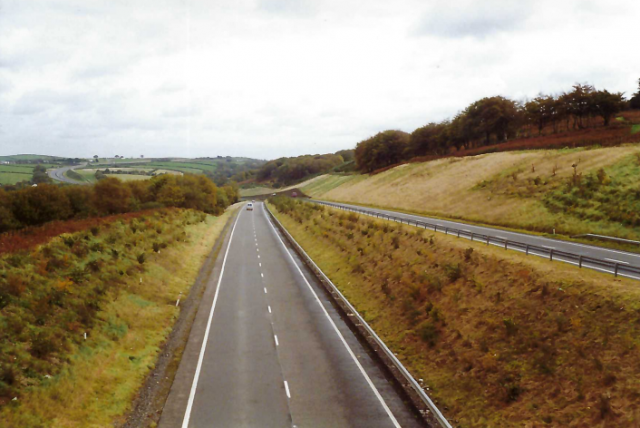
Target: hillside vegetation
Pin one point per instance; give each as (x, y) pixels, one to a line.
(497, 123)
(33, 206)
(573, 191)
(501, 340)
(116, 281)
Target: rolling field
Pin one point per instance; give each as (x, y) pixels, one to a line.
(12, 174)
(532, 190)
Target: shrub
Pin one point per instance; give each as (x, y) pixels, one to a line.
(141, 258)
(428, 332)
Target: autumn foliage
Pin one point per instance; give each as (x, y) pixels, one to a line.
(35, 206)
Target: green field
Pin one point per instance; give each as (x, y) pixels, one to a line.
(27, 157)
(12, 174)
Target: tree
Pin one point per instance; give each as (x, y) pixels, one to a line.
(40, 175)
(384, 149)
(634, 102)
(430, 139)
(493, 116)
(111, 196)
(607, 104)
(37, 205)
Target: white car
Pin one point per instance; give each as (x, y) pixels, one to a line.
(249, 206)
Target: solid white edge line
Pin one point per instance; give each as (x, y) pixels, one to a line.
(194, 386)
(617, 261)
(286, 388)
(342, 339)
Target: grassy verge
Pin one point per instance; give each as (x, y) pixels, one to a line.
(118, 283)
(501, 339)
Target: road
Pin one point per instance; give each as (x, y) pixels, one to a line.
(615, 256)
(58, 174)
(267, 348)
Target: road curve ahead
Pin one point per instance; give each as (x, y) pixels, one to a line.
(58, 174)
(267, 349)
(606, 254)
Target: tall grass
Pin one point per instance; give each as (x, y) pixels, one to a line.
(501, 340)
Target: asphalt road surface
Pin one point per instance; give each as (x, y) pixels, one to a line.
(58, 174)
(267, 348)
(615, 256)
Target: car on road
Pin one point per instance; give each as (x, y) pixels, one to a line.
(249, 206)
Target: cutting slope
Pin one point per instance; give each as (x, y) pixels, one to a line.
(526, 190)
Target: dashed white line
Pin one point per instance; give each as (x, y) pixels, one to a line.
(260, 264)
(335, 328)
(258, 255)
(265, 290)
(286, 387)
(269, 307)
(261, 274)
(275, 336)
(551, 248)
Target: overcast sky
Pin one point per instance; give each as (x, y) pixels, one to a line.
(271, 78)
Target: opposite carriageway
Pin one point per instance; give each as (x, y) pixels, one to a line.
(618, 263)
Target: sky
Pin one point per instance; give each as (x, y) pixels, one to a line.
(272, 78)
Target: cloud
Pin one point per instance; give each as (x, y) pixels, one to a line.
(300, 8)
(479, 19)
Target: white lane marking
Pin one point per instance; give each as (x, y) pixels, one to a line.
(260, 264)
(269, 308)
(256, 244)
(258, 255)
(286, 388)
(261, 274)
(257, 249)
(551, 248)
(194, 385)
(502, 237)
(466, 230)
(335, 328)
(265, 290)
(617, 261)
(276, 337)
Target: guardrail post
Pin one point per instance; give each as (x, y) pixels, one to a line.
(526, 250)
(551, 255)
(488, 239)
(615, 272)
(446, 230)
(505, 243)
(458, 233)
(471, 236)
(580, 261)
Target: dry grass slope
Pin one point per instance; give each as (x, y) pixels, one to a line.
(501, 340)
(507, 189)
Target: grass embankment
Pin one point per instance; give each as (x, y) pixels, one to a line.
(501, 339)
(537, 190)
(119, 283)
